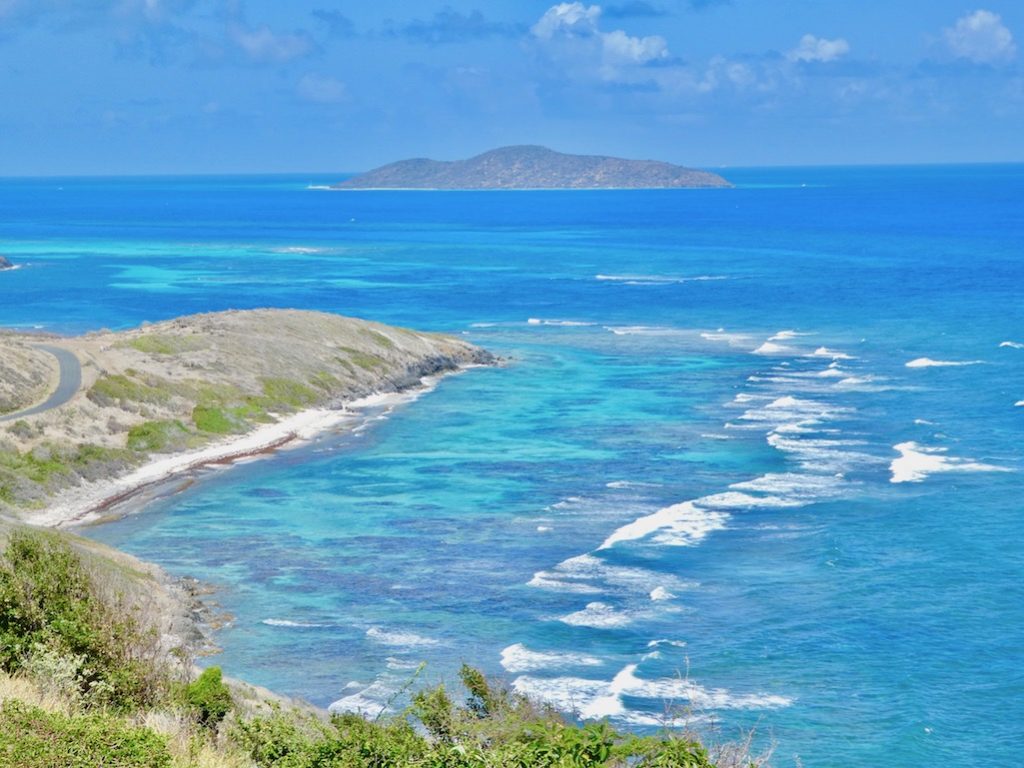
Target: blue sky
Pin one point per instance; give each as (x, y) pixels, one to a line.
(223, 86)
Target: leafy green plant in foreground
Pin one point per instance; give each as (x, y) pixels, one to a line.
(33, 738)
(495, 728)
(208, 698)
(49, 604)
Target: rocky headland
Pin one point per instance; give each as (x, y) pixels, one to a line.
(168, 397)
(5, 263)
(533, 167)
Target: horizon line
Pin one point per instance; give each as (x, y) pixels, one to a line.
(766, 166)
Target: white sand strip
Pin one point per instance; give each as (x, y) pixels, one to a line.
(87, 502)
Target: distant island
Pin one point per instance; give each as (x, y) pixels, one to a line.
(533, 167)
(5, 263)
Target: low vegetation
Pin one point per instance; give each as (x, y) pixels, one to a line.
(81, 686)
(27, 477)
(166, 344)
(179, 384)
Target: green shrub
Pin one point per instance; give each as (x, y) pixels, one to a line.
(348, 741)
(325, 381)
(212, 419)
(164, 344)
(156, 436)
(25, 478)
(33, 738)
(286, 392)
(378, 338)
(495, 729)
(130, 387)
(208, 698)
(434, 709)
(48, 602)
(364, 360)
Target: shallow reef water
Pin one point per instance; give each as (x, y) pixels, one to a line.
(754, 457)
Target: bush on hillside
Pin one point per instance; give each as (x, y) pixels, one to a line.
(208, 698)
(33, 738)
(50, 608)
(496, 728)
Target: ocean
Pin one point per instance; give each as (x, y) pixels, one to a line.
(753, 459)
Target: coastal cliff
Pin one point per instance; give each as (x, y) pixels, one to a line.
(533, 167)
(183, 387)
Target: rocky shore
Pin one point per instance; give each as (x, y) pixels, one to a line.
(170, 397)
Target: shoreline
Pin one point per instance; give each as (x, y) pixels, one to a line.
(88, 502)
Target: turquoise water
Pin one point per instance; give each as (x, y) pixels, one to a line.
(676, 498)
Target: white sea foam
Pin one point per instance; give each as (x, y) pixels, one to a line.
(643, 330)
(571, 501)
(794, 485)
(917, 462)
(402, 664)
(831, 373)
(400, 639)
(298, 249)
(660, 593)
(549, 580)
(368, 700)
(657, 279)
(927, 362)
(599, 616)
(746, 397)
(820, 454)
(732, 339)
(855, 382)
(543, 528)
(558, 323)
(794, 410)
(630, 484)
(788, 335)
(583, 572)
(1012, 344)
(771, 348)
(672, 643)
(679, 525)
(595, 699)
(830, 353)
(1019, 403)
(287, 623)
(518, 658)
(924, 422)
(736, 500)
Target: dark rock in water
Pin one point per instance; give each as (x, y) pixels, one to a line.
(533, 167)
(5, 263)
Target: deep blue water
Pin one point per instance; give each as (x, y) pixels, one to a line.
(851, 619)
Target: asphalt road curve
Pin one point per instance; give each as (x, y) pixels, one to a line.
(69, 384)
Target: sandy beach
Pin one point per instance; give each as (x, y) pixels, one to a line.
(89, 501)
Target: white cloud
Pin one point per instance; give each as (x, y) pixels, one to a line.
(981, 37)
(321, 89)
(620, 48)
(264, 45)
(567, 19)
(818, 49)
(573, 31)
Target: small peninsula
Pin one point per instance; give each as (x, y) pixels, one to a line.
(89, 420)
(5, 263)
(533, 167)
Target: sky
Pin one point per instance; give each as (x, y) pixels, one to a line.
(266, 86)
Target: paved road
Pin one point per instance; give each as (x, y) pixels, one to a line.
(70, 382)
